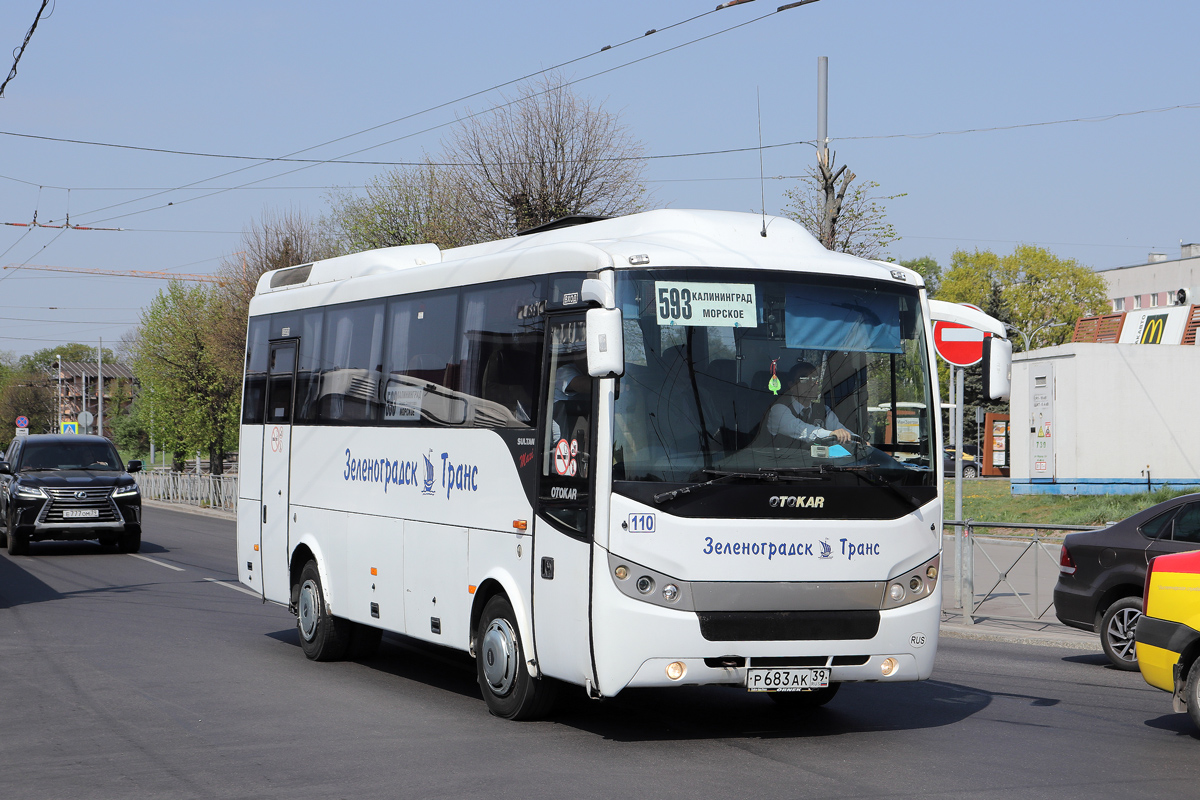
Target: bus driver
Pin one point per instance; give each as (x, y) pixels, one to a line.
(798, 415)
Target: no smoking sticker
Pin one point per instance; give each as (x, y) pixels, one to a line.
(562, 457)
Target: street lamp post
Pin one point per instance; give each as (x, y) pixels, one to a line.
(58, 364)
(1030, 337)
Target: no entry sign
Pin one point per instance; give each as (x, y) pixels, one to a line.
(960, 345)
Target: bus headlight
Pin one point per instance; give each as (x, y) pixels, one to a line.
(670, 593)
(645, 584)
(912, 585)
(889, 667)
(676, 670)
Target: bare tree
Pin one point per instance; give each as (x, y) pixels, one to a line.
(412, 205)
(277, 240)
(842, 219)
(548, 154)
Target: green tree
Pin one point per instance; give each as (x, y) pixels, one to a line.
(43, 360)
(1028, 289)
(929, 269)
(188, 390)
(29, 393)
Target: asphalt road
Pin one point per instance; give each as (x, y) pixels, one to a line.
(126, 677)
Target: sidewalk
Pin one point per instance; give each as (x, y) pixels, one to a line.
(1029, 631)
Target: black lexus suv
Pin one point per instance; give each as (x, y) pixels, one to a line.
(68, 487)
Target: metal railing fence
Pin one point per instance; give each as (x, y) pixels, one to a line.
(1031, 553)
(186, 488)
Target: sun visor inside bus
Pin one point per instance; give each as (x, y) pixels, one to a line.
(836, 319)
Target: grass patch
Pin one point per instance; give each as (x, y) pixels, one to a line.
(992, 501)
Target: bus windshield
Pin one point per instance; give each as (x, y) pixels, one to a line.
(756, 376)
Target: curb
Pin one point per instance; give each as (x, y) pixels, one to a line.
(983, 634)
(186, 509)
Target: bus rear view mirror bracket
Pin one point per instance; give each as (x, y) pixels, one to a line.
(605, 343)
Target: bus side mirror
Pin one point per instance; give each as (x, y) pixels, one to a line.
(997, 368)
(605, 343)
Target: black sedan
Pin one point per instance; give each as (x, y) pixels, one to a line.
(1102, 573)
(68, 487)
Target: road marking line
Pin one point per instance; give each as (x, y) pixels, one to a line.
(236, 588)
(155, 561)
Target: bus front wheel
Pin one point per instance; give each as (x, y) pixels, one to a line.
(508, 688)
(323, 637)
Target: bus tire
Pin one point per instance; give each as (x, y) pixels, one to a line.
(810, 699)
(323, 637)
(364, 642)
(508, 689)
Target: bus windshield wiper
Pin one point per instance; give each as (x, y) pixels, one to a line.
(767, 475)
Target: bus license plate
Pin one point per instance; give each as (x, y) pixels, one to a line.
(786, 680)
(81, 513)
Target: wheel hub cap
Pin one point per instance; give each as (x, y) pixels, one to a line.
(499, 654)
(308, 610)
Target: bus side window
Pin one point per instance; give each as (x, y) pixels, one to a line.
(501, 353)
(256, 371)
(308, 367)
(352, 362)
(420, 374)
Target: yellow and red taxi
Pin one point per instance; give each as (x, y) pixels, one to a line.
(1168, 633)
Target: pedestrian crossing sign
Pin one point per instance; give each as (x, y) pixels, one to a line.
(70, 427)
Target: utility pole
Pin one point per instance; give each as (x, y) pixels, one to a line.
(58, 363)
(100, 389)
(834, 196)
(823, 104)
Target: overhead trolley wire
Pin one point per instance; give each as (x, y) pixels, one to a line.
(443, 105)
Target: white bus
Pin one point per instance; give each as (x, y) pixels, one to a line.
(642, 451)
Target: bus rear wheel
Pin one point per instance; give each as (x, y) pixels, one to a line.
(323, 637)
(810, 699)
(508, 689)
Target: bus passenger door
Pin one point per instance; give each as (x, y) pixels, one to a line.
(563, 521)
(276, 470)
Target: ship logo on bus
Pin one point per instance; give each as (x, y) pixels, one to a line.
(427, 488)
(826, 550)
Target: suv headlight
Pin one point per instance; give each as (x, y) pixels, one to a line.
(126, 491)
(29, 492)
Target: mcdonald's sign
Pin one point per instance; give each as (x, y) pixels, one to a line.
(1153, 329)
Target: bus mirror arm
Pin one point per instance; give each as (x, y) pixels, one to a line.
(605, 343)
(594, 290)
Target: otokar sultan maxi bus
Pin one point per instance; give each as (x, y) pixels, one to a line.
(662, 449)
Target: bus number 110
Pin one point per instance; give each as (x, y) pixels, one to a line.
(641, 523)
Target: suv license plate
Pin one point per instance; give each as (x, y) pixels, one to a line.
(786, 680)
(80, 513)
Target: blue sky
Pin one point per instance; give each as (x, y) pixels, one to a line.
(269, 78)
